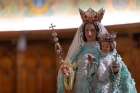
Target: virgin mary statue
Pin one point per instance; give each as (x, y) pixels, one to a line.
(87, 68)
(78, 72)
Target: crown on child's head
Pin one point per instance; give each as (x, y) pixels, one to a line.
(91, 16)
(108, 37)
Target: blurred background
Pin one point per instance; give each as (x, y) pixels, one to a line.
(27, 58)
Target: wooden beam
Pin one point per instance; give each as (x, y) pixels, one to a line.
(65, 33)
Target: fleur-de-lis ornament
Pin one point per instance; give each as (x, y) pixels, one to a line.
(91, 16)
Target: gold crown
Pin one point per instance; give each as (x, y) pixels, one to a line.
(108, 37)
(91, 16)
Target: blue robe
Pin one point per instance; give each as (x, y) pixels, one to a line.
(127, 83)
(85, 74)
(108, 82)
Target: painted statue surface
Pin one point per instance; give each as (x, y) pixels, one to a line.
(113, 75)
(92, 64)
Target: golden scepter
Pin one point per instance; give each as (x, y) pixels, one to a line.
(69, 75)
(58, 47)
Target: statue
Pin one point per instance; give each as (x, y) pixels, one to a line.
(113, 75)
(89, 59)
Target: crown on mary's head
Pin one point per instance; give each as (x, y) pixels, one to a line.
(91, 16)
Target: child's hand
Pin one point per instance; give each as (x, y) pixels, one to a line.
(115, 67)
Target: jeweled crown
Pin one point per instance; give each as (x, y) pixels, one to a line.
(91, 16)
(110, 37)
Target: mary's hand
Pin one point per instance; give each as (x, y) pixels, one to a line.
(65, 69)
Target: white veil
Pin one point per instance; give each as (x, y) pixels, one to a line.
(78, 41)
(75, 45)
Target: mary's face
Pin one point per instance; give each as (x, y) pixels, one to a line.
(90, 32)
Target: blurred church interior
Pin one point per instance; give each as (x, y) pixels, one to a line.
(27, 57)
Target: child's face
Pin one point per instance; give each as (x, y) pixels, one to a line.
(105, 47)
